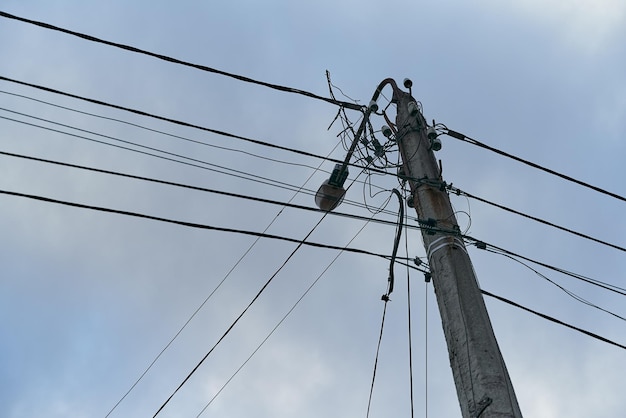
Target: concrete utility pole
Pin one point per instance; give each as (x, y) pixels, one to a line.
(483, 385)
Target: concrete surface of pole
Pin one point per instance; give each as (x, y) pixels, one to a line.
(482, 381)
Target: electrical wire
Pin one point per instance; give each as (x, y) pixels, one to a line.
(194, 141)
(556, 321)
(165, 119)
(254, 299)
(472, 141)
(306, 292)
(567, 291)
(380, 338)
(396, 244)
(607, 286)
(426, 348)
(536, 219)
(127, 142)
(187, 124)
(191, 161)
(408, 302)
(189, 224)
(226, 276)
(211, 166)
(300, 244)
(181, 62)
(204, 189)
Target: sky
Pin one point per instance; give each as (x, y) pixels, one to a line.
(89, 299)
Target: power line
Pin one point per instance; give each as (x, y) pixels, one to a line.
(607, 286)
(254, 299)
(567, 291)
(166, 119)
(190, 224)
(203, 189)
(293, 307)
(536, 219)
(216, 168)
(187, 124)
(241, 258)
(472, 141)
(380, 339)
(211, 166)
(556, 321)
(181, 62)
(194, 141)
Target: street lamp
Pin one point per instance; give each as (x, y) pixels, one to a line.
(331, 192)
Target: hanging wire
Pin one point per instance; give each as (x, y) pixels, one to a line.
(380, 338)
(306, 292)
(426, 348)
(396, 243)
(408, 298)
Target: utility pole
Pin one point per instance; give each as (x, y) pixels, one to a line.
(482, 382)
(483, 385)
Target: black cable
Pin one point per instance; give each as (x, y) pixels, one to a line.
(172, 154)
(166, 119)
(472, 141)
(241, 258)
(306, 292)
(410, 336)
(190, 224)
(396, 243)
(190, 125)
(556, 321)
(607, 286)
(217, 168)
(300, 244)
(542, 221)
(565, 290)
(180, 62)
(254, 299)
(203, 189)
(136, 125)
(380, 338)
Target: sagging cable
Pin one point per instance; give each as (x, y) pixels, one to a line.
(396, 243)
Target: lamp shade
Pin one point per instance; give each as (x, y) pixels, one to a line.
(328, 197)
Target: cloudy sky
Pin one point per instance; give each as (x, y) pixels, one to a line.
(88, 300)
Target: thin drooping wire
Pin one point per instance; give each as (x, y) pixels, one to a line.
(380, 338)
(136, 125)
(180, 62)
(300, 244)
(211, 166)
(607, 286)
(426, 348)
(306, 292)
(216, 167)
(472, 141)
(396, 243)
(190, 125)
(254, 299)
(534, 218)
(385, 297)
(564, 289)
(165, 119)
(243, 256)
(207, 190)
(556, 321)
(190, 224)
(408, 302)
